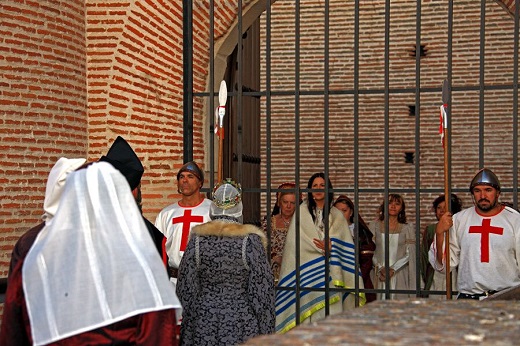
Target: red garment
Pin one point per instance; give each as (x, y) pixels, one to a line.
(152, 328)
(23, 245)
(366, 253)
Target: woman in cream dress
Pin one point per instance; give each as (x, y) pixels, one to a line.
(401, 239)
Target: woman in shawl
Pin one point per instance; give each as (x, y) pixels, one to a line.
(312, 227)
(435, 280)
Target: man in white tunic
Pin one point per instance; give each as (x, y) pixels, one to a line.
(176, 220)
(484, 242)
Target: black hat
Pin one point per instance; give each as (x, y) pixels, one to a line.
(123, 158)
(192, 168)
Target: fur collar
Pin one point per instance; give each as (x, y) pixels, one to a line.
(225, 229)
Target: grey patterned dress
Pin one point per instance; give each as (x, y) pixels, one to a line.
(225, 285)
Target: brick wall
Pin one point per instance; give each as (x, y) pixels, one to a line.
(135, 76)
(75, 75)
(42, 106)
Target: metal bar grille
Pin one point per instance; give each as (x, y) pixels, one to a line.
(299, 96)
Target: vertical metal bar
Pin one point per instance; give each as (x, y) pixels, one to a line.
(481, 83)
(187, 59)
(449, 52)
(450, 74)
(447, 138)
(268, 119)
(515, 104)
(356, 143)
(212, 91)
(326, 208)
(239, 92)
(387, 141)
(297, 146)
(418, 11)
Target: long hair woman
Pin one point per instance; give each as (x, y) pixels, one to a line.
(311, 261)
(401, 249)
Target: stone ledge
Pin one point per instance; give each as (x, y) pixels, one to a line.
(411, 322)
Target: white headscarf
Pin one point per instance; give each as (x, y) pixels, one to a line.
(55, 184)
(94, 263)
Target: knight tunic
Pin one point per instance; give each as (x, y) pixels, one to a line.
(176, 223)
(486, 250)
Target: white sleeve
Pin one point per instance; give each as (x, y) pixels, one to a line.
(401, 262)
(432, 256)
(454, 252)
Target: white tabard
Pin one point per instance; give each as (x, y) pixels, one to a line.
(176, 222)
(486, 250)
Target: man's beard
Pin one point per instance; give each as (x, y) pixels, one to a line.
(488, 207)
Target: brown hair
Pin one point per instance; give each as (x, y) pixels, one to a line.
(401, 217)
(362, 224)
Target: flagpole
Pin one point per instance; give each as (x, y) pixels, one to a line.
(447, 194)
(221, 111)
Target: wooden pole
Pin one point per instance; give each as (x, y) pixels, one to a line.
(447, 199)
(447, 193)
(220, 153)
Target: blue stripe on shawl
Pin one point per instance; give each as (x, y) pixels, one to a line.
(343, 254)
(302, 268)
(287, 299)
(292, 317)
(312, 275)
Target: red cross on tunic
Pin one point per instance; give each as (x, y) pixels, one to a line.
(186, 221)
(485, 230)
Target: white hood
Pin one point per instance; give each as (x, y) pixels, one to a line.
(94, 263)
(55, 184)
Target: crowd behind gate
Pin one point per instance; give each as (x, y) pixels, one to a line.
(96, 271)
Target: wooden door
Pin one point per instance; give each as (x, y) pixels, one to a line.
(243, 137)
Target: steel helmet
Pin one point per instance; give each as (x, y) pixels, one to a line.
(193, 168)
(485, 177)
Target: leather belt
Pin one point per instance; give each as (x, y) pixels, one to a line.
(476, 296)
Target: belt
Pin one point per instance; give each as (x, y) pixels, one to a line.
(477, 296)
(173, 272)
(367, 252)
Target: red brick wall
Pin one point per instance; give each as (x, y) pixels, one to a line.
(134, 59)
(75, 74)
(42, 106)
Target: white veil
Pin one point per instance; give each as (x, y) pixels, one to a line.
(94, 263)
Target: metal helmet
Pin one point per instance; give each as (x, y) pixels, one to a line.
(485, 177)
(192, 168)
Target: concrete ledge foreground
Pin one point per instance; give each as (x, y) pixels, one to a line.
(411, 322)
